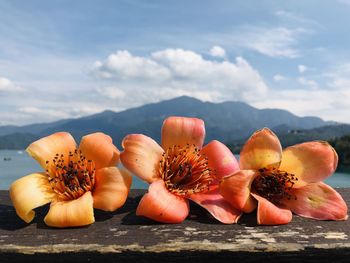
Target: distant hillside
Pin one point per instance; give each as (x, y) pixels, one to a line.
(35, 128)
(289, 137)
(342, 146)
(17, 141)
(227, 121)
(328, 133)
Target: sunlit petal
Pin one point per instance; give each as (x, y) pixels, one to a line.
(30, 192)
(318, 201)
(311, 162)
(220, 159)
(162, 206)
(217, 206)
(111, 188)
(236, 190)
(141, 156)
(263, 149)
(181, 131)
(46, 148)
(78, 212)
(271, 214)
(99, 148)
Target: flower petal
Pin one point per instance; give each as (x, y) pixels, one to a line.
(217, 206)
(99, 148)
(181, 131)
(220, 159)
(236, 190)
(141, 156)
(111, 188)
(311, 162)
(262, 149)
(30, 192)
(162, 206)
(270, 214)
(78, 212)
(318, 201)
(46, 148)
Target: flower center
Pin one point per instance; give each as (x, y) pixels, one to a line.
(70, 178)
(274, 184)
(185, 170)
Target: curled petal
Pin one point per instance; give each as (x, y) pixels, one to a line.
(46, 148)
(162, 206)
(30, 192)
(217, 206)
(236, 190)
(318, 201)
(141, 156)
(263, 149)
(181, 131)
(311, 162)
(111, 188)
(78, 212)
(220, 159)
(99, 148)
(270, 214)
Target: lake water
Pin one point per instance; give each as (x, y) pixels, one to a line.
(15, 164)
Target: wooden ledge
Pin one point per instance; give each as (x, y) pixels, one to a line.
(123, 237)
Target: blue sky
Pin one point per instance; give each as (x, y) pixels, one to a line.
(66, 59)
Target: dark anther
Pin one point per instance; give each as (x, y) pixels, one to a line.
(273, 184)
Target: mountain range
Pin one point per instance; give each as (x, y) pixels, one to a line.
(230, 122)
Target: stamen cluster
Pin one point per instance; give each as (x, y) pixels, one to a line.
(70, 176)
(185, 170)
(274, 184)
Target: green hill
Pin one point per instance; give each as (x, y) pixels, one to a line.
(342, 146)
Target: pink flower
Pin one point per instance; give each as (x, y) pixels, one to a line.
(281, 182)
(179, 170)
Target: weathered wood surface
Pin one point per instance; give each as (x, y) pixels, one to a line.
(123, 237)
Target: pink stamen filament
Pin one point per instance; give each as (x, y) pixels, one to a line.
(185, 170)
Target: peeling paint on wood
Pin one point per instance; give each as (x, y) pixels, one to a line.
(123, 235)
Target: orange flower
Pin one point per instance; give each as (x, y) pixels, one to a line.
(179, 170)
(281, 182)
(76, 180)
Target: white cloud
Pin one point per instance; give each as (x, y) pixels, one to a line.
(39, 114)
(308, 83)
(50, 112)
(339, 73)
(329, 100)
(123, 65)
(172, 72)
(325, 103)
(278, 77)
(7, 85)
(191, 74)
(295, 18)
(179, 72)
(217, 51)
(29, 110)
(111, 92)
(302, 68)
(83, 110)
(272, 42)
